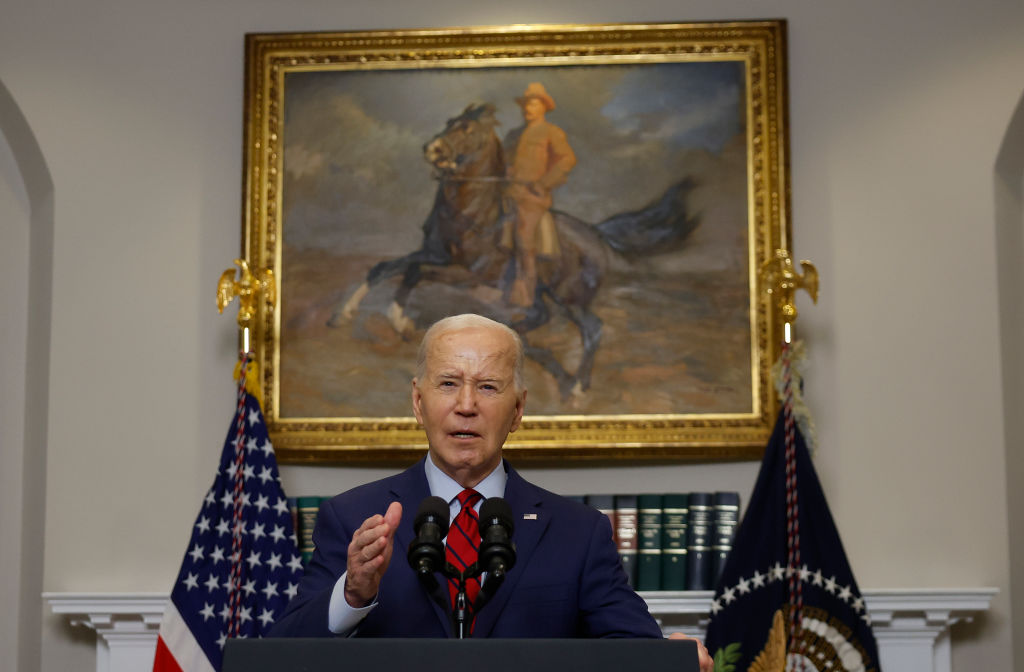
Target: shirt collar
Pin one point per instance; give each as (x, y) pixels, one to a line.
(444, 486)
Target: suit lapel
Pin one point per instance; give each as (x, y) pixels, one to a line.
(531, 521)
(411, 489)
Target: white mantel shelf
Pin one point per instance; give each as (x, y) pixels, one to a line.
(911, 625)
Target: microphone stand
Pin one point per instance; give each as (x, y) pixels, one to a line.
(460, 610)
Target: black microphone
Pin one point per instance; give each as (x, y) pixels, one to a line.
(497, 551)
(426, 552)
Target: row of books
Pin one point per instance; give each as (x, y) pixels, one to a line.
(673, 541)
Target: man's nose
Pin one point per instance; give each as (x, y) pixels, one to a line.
(465, 401)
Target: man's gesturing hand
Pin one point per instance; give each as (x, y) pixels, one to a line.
(369, 554)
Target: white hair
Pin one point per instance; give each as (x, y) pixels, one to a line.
(469, 321)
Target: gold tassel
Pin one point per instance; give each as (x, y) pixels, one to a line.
(252, 379)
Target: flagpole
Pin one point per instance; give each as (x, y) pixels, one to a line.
(781, 281)
(249, 287)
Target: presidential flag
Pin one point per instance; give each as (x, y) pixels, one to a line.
(242, 564)
(787, 598)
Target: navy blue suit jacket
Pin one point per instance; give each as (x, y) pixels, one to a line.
(567, 580)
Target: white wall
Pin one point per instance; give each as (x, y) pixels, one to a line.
(897, 114)
(14, 232)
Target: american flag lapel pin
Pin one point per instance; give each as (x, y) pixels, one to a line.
(529, 516)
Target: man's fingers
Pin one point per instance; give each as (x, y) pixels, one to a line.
(393, 516)
(704, 659)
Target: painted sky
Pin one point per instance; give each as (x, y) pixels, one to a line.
(354, 168)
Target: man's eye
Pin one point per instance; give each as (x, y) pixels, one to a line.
(447, 383)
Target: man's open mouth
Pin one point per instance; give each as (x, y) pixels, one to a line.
(464, 435)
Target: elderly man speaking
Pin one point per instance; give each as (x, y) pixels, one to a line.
(567, 580)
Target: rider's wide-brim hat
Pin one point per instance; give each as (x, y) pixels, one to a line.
(537, 90)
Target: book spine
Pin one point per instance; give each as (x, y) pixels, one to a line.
(698, 555)
(648, 571)
(727, 515)
(626, 516)
(293, 508)
(674, 520)
(308, 507)
(606, 505)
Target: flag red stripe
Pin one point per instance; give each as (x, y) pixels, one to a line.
(164, 661)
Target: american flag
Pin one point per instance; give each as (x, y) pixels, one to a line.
(242, 564)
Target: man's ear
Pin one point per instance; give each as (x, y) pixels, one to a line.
(520, 407)
(417, 399)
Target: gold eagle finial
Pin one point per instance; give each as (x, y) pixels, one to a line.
(249, 287)
(780, 280)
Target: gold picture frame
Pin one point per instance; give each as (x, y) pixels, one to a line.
(678, 126)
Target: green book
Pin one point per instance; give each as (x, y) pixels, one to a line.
(648, 571)
(674, 520)
(307, 507)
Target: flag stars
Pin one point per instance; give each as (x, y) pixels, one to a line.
(203, 524)
(728, 595)
(257, 531)
(250, 445)
(223, 528)
(249, 587)
(778, 573)
(716, 607)
(267, 448)
(212, 583)
(758, 579)
(262, 503)
(210, 498)
(858, 605)
(196, 553)
(805, 574)
(254, 560)
(282, 506)
(223, 638)
(818, 578)
(278, 533)
(231, 471)
(266, 475)
(266, 617)
(270, 590)
(227, 500)
(207, 611)
(743, 586)
(295, 564)
(217, 555)
(830, 585)
(845, 594)
(291, 590)
(275, 561)
(191, 581)
(225, 614)
(248, 472)
(254, 417)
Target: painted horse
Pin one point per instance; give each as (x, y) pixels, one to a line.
(461, 245)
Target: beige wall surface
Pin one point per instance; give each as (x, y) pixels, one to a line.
(897, 112)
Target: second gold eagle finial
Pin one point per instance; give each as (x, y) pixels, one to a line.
(780, 279)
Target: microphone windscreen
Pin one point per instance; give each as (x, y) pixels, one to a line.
(432, 507)
(496, 507)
